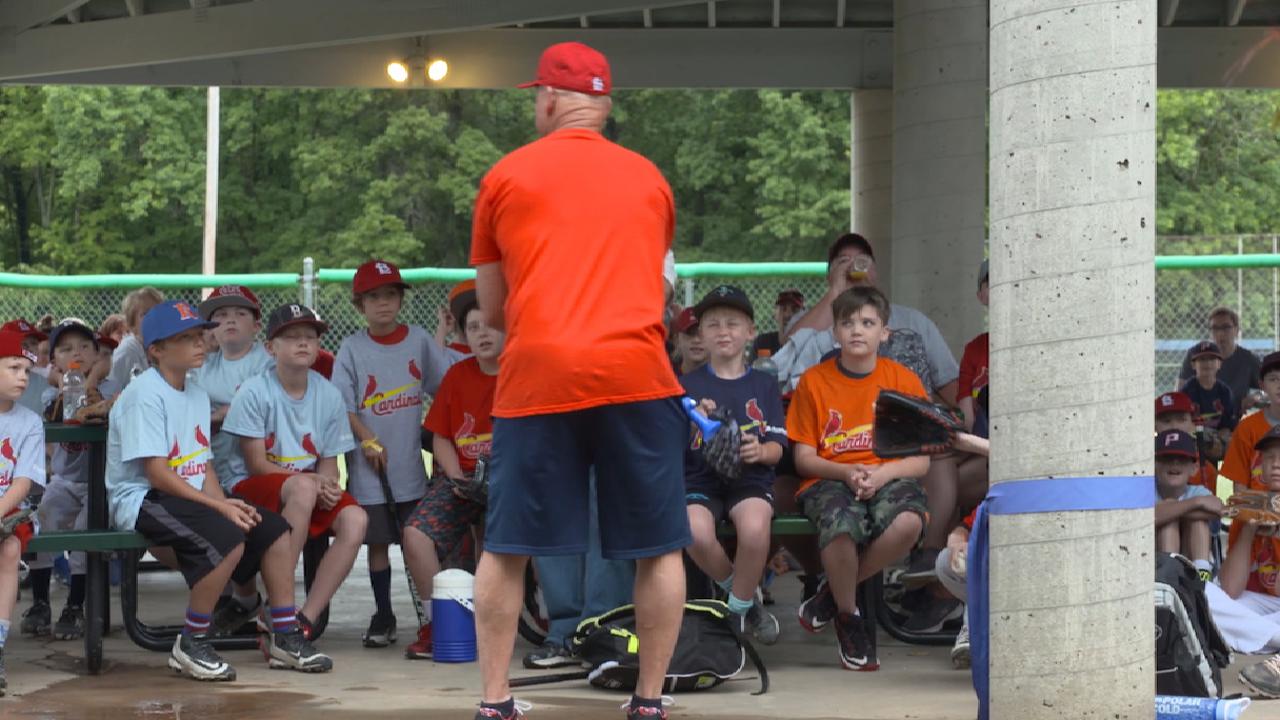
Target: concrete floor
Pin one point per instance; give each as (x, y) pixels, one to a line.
(47, 680)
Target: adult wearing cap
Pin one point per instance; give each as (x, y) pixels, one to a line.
(1240, 367)
(37, 383)
(569, 238)
(1241, 464)
(786, 310)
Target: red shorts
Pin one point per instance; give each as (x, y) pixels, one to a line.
(24, 533)
(264, 490)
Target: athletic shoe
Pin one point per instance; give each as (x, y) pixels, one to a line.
(960, 651)
(381, 632)
(855, 648)
(759, 623)
(550, 655)
(263, 627)
(293, 651)
(809, 585)
(933, 616)
(921, 570)
(1263, 677)
(231, 616)
(194, 657)
(817, 610)
(4, 679)
(637, 713)
(70, 625)
(37, 619)
(307, 627)
(421, 648)
(517, 713)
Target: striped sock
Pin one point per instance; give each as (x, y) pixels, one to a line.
(197, 623)
(284, 619)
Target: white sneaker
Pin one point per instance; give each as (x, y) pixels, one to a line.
(960, 651)
(195, 658)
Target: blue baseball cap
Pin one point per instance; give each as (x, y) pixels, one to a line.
(170, 318)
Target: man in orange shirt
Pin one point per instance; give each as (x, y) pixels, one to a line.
(568, 239)
(1241, 464)
(869, 512)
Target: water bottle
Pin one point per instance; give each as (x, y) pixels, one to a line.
(765, 364)
(73, 392)
(1171, 707)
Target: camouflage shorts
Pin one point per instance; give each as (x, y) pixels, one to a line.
(831, 506)
(444, 517)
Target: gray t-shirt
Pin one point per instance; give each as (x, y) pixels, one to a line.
(21, 448)
(1238, 372)
(128, 360)
(386, 386)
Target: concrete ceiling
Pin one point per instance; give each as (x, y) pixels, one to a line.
(839, 44)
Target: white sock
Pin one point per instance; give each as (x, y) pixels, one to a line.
(426, 611)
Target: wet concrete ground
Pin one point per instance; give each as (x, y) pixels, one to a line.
(47, 680)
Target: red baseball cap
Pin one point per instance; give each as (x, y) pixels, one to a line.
(686, 321)
(107, 341)
(23, 328)
(792, 297)
(1172, 402)
(374, 274)
(11, 345)
(230, 296)
(573, 66)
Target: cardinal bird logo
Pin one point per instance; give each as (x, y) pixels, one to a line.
(834, 421)
(470, 444)
(200, 438)
(369, 389)
(175, 451)
(756, 416)
(270, 441)
(414, 371)
(387, 402)
(6, 451)
(185, 465)
(309, 446)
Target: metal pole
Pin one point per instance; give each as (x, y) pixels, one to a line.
(209, 256)
(1240, 277)
(309, 282)
(688, 292)
(1275, 300)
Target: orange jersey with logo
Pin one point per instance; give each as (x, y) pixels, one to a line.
(1241, 464)
(581, 227)
(1264, 561)
(831, 410)
(463, 411)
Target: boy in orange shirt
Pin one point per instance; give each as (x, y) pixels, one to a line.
(858, 501)
(1242, 465)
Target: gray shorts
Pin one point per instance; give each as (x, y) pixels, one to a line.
(381, 530)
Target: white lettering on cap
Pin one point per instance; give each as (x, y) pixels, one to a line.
(382, 268)
(1168, 439)
(597, 84)
(296, 310)
(1166, 400)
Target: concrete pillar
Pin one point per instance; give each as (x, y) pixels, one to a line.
(940, 160)
(1073, 112)
(871, 176)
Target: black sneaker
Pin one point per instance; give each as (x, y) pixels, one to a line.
(818, 610)
(308, 628)
(231, 616)
(759, 624)
(194, 657)
(37, 620)
(855, 647)
(4, 679)
(640, 713)
(933, 616)
(70, 625)
(921, 570)
(550, 655)
(293, 651)
(809, 585)
(381, 632)
(517, 712)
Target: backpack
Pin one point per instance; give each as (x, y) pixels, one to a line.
(708, 650)
(1190, 651)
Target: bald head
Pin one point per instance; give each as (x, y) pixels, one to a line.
(557, 109)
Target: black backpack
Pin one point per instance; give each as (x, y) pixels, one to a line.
(708, 651)
(1190, 652)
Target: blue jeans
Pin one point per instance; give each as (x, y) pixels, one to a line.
(577, 587)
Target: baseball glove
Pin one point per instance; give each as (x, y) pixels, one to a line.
(475, 487)
(13, 520)
(723, 449)
(906, 426)
(1255, 499)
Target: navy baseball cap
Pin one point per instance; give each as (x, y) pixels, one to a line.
(1272, 435)
(1205, 348)
(171, 318)
(67, 326)
(1176, 443)
(290, 315)
(725, 296)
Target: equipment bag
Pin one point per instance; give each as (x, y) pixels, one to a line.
(709, 649)
(1190, 651)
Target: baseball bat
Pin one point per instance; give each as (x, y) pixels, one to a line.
(395, 523)
(548, 679)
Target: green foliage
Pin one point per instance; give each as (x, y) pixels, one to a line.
(99, 180)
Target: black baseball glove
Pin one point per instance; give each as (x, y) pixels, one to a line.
(906, 426)
(474, 487)
(723, 450)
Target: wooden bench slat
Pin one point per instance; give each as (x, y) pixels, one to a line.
(88, 540)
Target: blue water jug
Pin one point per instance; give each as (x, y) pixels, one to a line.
(453, 617)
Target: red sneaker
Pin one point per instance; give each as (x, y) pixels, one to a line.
(421, 648)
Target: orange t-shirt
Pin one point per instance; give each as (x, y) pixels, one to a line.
(581, 226)
(1264, 561)
(1241, 464)
(1206, 477)
(831, 410)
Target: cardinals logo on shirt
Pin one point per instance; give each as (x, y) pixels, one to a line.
(8, 461)
(469, 444)
(836, 441)
(1265, 564)
(385, 403)
(186, 465)
(296, 463)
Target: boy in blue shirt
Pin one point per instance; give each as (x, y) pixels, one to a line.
(291, 425)
(1185, 513)
(726, 322)
(161, 483)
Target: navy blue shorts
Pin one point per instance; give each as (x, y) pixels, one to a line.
(539, 475)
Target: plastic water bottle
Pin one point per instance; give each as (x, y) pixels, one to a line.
(73, 392)
(765, 364)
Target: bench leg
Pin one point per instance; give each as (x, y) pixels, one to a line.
(95, 609)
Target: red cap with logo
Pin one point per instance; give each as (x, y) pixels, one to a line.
(23, 328)
(1174, 402)
(686, 321)
(230, 296)
(375, 274)
(11, 346)
(573, 66)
